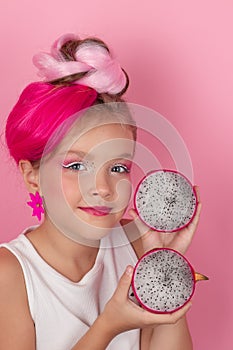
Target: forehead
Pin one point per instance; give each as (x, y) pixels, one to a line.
(83, 130)
(109, 140)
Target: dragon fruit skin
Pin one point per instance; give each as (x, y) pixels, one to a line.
(164, 208)
(163, 281)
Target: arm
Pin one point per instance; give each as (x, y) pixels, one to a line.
(97, 337)
(167, 332)
(171, 337)
(120, 315)
(166, 337)
(17, 331)
(16, 325)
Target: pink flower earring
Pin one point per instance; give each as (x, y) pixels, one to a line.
(36, 204)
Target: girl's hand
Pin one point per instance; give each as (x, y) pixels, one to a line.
(179, 240)
(121, 314)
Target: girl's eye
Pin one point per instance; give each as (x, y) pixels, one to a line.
(120, 169)
(74, 166)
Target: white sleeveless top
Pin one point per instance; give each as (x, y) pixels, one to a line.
(63, 310)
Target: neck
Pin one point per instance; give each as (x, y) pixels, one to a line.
(68, 257)
(64, 245)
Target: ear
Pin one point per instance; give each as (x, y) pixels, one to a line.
(30, 175)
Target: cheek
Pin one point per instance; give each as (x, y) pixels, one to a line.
(50, 181)
(70, 188)
(123, 191)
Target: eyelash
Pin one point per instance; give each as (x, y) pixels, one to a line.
(71, 166)
(126, 169)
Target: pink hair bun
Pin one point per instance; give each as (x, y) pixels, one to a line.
(103, 73)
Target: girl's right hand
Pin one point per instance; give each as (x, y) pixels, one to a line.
(121, 314)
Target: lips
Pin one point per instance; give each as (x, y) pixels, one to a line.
(97, 211)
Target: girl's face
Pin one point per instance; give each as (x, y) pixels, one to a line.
(95, 175)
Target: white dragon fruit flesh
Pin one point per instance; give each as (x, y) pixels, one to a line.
(163, 281)
(165, 200)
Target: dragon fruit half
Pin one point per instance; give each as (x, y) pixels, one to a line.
(165, 200)
(163, 281)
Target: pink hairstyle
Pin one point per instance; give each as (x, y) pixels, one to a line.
(41, 108)
(78, 73)
(90, 56)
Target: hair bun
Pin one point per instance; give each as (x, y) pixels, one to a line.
(56, 49)
(88, 62)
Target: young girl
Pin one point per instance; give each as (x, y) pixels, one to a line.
(64, 283)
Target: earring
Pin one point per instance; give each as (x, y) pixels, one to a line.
(36, 204)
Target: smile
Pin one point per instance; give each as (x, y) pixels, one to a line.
(97, 211)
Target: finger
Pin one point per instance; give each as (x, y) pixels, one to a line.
(142, 227)
(197, 214)
(197, 191)
(124, 283)
(169, 318)
(177, 315)
(183, 238)
(193, 224)
(149, 238)
(189, 231)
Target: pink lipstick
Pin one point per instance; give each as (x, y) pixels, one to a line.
(97, 211)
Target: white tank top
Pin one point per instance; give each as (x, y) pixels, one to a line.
(63, 310)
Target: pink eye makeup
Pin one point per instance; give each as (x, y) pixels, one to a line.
(74, 166)
(80, 161)
(122, 166)
(77, 165)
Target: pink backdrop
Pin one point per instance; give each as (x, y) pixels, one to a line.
(179, 57)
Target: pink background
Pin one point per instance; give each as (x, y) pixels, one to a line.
(179, 57)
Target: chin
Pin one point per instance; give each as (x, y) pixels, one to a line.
(86, 229)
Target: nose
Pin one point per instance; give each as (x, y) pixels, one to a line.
(102, 185)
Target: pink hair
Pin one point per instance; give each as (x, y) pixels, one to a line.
(41, 108)
(105, 73)
(77, 74)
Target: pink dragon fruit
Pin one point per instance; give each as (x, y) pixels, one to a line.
(165, 200)
(163, 281)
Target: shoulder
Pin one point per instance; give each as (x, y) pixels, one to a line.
(14, 306)
(9, 265)
(11, 275)
(133, 235)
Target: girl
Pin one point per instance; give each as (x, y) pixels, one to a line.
(64, 283)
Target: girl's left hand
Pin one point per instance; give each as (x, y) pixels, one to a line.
(179, 240)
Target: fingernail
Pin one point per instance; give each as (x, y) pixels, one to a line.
(131, 212)
(190, 305)
(129, 270)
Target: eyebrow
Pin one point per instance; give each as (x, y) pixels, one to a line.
(82, 154)
(78, 153)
